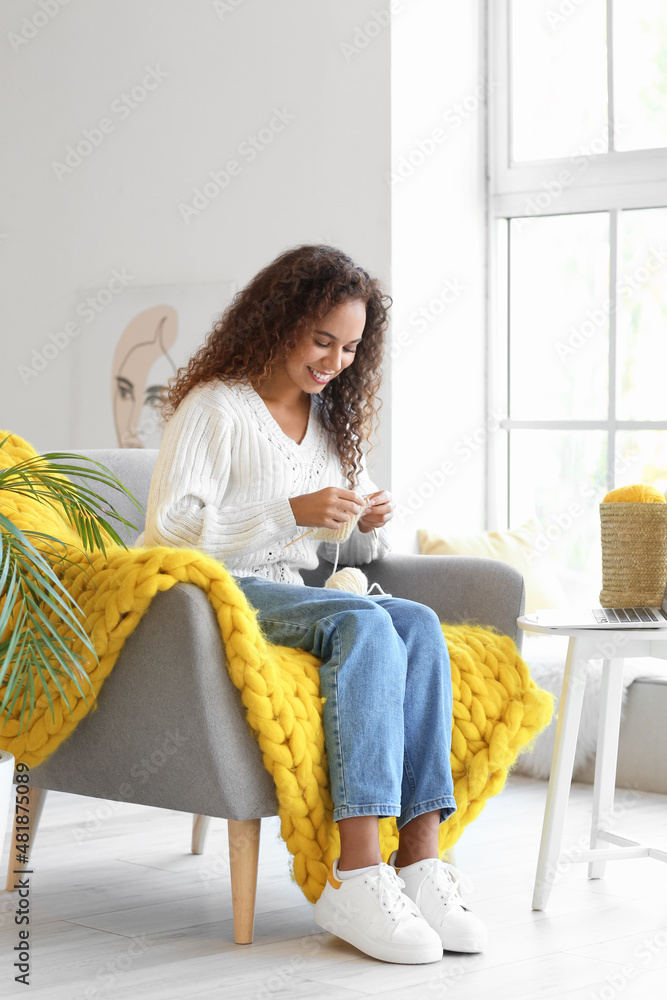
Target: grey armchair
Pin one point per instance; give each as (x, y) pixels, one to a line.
(170, 729)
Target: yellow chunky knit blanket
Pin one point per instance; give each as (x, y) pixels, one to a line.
(498, 709)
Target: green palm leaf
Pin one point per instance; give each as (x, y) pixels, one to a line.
(29, 561)
(82, 507)
(31, 590)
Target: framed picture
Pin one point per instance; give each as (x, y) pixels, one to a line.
(133, 339)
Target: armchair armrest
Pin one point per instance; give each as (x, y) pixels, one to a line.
(459, 588)
(170, 729)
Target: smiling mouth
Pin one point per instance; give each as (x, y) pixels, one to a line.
(320, 376)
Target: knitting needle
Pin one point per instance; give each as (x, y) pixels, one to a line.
(297, 539)
(313, 529)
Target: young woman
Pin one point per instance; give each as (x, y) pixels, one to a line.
(264, 441)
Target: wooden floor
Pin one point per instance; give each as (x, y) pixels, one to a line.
(121, 909)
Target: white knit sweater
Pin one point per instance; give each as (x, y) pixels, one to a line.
(223, 479)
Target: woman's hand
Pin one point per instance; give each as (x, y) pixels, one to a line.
(381, 511)
(328, 508)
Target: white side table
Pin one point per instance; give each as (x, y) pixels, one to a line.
(612, 646)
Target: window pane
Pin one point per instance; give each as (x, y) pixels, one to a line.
(641, 457)
(561, 477)
(642, 315)
(640, 73)
(559, 79)
(559, 317)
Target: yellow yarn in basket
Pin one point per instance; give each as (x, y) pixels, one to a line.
(637, 493)
(633, 533)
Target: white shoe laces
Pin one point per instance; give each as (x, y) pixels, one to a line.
(388, 886)
(447, 879)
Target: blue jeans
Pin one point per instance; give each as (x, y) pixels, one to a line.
(386, 681)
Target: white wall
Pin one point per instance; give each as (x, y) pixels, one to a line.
(225, 73)
(438, 265)
(225, 67)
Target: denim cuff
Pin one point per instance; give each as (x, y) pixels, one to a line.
(349, 812)
(446, 804)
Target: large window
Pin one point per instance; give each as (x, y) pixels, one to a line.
(578, 266)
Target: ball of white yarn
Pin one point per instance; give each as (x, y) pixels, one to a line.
(350, 579)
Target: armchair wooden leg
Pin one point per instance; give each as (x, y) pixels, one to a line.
(34, 806)
(243, 860)
(200, 826)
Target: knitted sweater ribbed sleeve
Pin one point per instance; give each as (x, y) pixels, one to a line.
(191, 476)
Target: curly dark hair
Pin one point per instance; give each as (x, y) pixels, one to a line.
(268, 318)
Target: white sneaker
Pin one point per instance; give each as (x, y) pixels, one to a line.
(370, 912)
(434, 886)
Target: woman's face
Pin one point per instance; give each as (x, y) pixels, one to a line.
(328, 348)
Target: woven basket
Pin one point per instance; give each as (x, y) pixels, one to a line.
(634, 554)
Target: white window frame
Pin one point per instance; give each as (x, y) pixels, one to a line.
(586, 182)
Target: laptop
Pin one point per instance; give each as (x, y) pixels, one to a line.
(602, 618)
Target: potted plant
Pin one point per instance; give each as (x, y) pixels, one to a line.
(32, 647)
